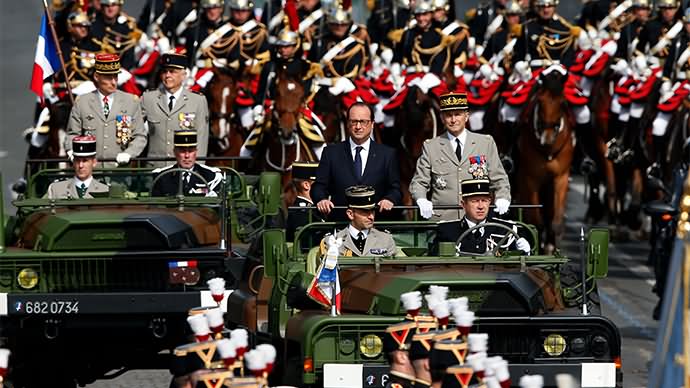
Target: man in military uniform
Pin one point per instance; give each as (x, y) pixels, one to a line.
(423, 47)
(82, 185)
(117, 31)
(666, 25)
(186, 182)
(194, 32)
(630, 33)
(312, 17)
(388, 19)
(454, 28)
(452, 157)
(360, 238)
(485, 19)
(111, 115)
(505, 36)
(476, 199)
(303, 175)
(396, 348)
(78, 51)
(342, 55)
(172, 107)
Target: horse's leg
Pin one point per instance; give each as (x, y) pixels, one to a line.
(560, 198)
(528, 193)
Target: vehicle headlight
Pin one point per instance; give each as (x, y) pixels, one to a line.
(27, 278)
(600, 346)
(370, 345)
(554, 345)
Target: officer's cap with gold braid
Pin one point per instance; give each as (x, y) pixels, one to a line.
(472, 187)
(360, 197)
(398, 337)
(304, 170)
(107, 63)
(84, 146)
(185, 138)
(452, 101)
(175, 60)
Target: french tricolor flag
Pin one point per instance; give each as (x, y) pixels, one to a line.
(46, 61)
(320, 288)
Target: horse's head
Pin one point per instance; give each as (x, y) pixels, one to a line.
(221, 93)
(288, 101)
(549, 108)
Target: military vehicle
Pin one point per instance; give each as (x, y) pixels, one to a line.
(90, 288)
(531, 306)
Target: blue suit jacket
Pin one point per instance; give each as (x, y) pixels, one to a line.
(336, 173)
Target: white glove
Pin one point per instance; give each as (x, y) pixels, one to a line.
(502, 205)
(523, 245)
(123, 158)
(258, 112)
(212, 194)
(426, 208)
(70, 155)
(387, 56)
(621, 67)
(342, 85)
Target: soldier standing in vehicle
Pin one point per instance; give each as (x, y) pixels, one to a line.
(452, 157)
(303, 175)
(82, 185)
(112, 116)
(185, 154)
(476, 200)
(172, 107)
(360, 238)
(396, 348)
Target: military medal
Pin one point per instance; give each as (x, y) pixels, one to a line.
(440, 183)
(478, 166)
(123, 132)
(187, 120)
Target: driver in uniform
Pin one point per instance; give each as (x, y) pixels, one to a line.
(83, 184)
(476, 200)
(185, 150)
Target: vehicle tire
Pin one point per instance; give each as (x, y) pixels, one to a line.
(571, 286)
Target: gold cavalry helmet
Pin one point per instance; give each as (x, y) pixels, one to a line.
(422, 6)
(205, 4)
(642, 4)
(241, 5)
(514, 8)
(78, 18)
(112, 2)
(287, 37)
(667, 3)
(546, 3)
(440, 4)
(339, 16)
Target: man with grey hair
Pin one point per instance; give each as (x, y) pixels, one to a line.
(172, 108)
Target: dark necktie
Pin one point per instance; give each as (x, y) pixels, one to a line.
(358, 162)
(171, 103)
(106, 107)
(81, 190)
(458, 150)
(186, 175)
(360, 241)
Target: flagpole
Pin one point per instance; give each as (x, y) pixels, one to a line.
(51, 23)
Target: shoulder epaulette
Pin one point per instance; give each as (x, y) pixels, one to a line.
(470, 14)
(210, 168)
(516, 29)
(314, 70)
(395, 36)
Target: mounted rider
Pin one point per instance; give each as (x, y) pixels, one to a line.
(312, 17)
(117, 31)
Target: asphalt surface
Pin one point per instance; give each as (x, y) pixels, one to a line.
(626, 294)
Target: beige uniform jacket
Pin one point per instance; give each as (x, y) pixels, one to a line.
(190, 112)
(122, 131)
(378, 243)
(439, 172)
(67, 190)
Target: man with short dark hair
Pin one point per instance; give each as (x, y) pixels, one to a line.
(396, 346)
(303, 176)
(191, 184)
(357, 161)
(83, 184)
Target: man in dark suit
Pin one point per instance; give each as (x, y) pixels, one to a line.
(357, 161)
(185, 150)
(476, 200)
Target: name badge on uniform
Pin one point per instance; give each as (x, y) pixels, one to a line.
(378, 251)
(187, 120)
(123, 130)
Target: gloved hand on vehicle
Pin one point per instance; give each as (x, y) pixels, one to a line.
(523, 245)
(123, 158)
(502, 206)
(426, 208)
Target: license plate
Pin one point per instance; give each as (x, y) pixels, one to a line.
(355, 376)
(52, 307)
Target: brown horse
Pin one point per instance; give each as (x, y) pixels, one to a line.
(546, 153)
(226, 135)
(416, 120)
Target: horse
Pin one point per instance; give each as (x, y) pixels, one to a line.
(225, 134)
(416, 120)
(289, 134)
(546, 153)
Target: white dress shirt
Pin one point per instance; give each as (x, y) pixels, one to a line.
(364, 153)
(354, 232)
(177, 95)
(462, 137)
(87, 182)
(111, 98)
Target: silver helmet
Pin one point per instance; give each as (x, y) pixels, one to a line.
(546, 3)
(205, 4)
(241, 5)
(422, 6)
(287, 37)
(667, 3)
(514, 8)
(642, 4)
(339, 16)
(440, 4)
